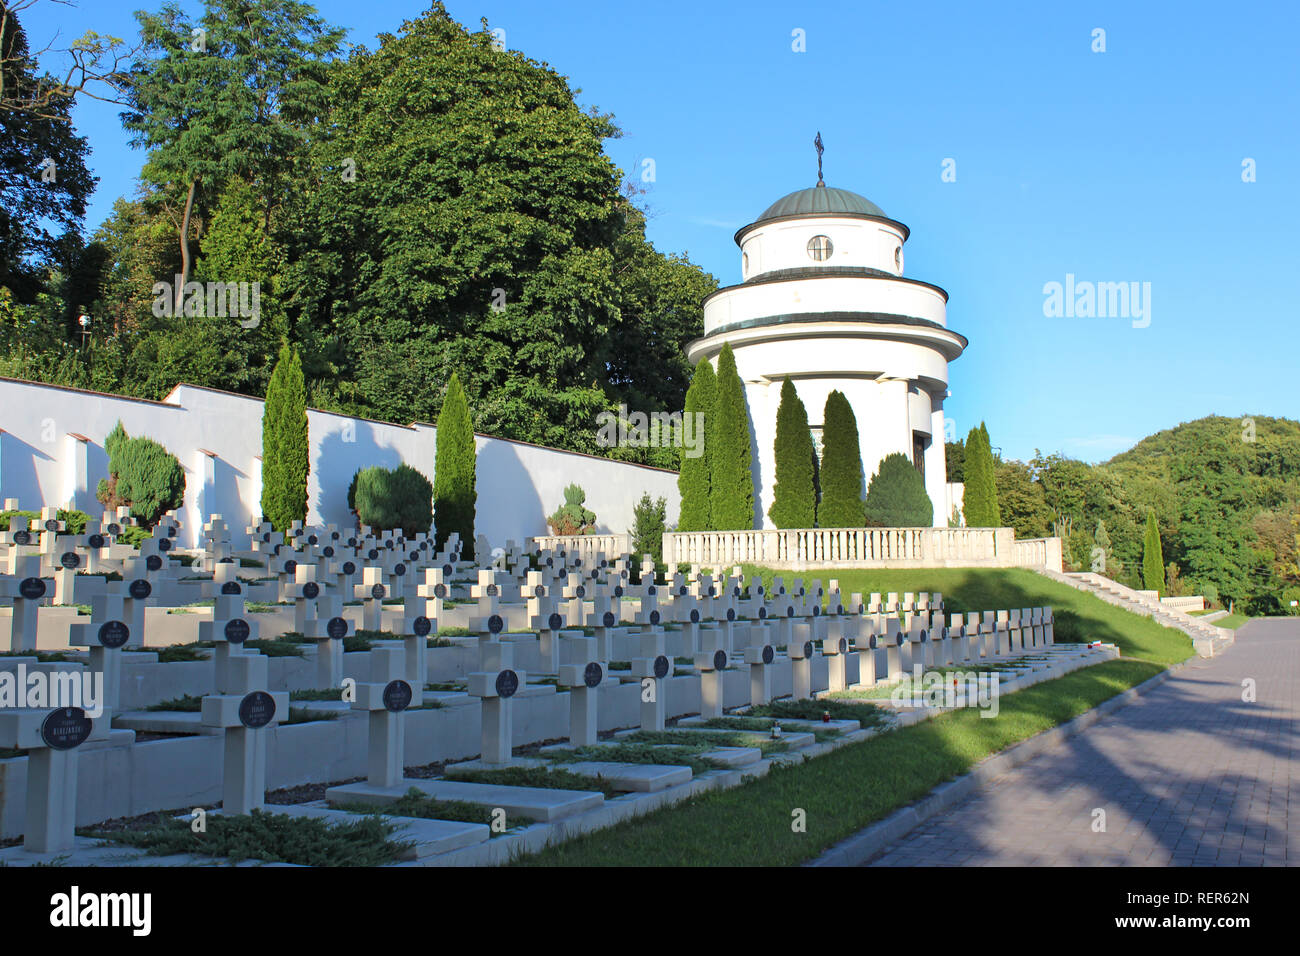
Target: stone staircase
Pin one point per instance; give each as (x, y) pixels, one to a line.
(1207, 639)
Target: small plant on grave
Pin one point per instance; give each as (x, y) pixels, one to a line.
(571, 517)
(867, 715)
(305, 715)
(453, 631)
(677, 756)
(273, 837)
(276, 647)
(180, 653)
(326, 693)
(44, 657)
(541, 777)
(416, 803)
(448, 687)
(620, 665)
(185, 704)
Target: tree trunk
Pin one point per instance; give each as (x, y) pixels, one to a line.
(185, 247)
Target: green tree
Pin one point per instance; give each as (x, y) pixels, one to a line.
(694, 479)
(794, 502)
(231, 95)
(1103, 560)
(285, 453)
(980, 501)
(454, 478)
(43, 174)
(896, 496)
(1021, 500)
(731, 482)
(398, 497)
(1153, 562)
(143, 475)
(841, 470)
(650, 517)
(571, 517)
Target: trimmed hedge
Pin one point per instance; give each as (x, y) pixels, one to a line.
(400, 497)
(896, 496)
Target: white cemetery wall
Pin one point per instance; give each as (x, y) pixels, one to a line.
(52, 453)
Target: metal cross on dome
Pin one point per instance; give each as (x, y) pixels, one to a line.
(820, 149)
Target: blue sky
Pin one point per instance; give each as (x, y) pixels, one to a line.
(1115, 166)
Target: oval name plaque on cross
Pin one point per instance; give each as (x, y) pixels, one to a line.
(608, 619)
(337, 628)
(349, 567)
(769, 655)
(762, 614)
(51, 525)
(844, 646)
(327, 551)
(789, 610)
(683, 591)
(654, 617)
(817, 610)
(290, 566)
(140, 589)
(593, 674)
(421, 626)
(70, 560)
(554, 622)
(22, 537)
(266, 537)
(539, 591)
(507, 683)
(808, 649)
(96, 541)
(924, 636)
(695, 615)
(440, 590)
(495, 624)
(164, 545)
(113, 634)
(114, 528)
(231, 587)
(372, 554)
(413, 556)
(492, 590)
(153, 562)
(312, 539)
(237, 630)
(731, 614)
(580, 591)
(447, 569)
(618, 590)
(397, 696)
(662, 666)
(399, 569)
(311, 590)
(378, 591)
(65, 728)
(719, 660)
(257, 710)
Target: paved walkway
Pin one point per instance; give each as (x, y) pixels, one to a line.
(1189, 774)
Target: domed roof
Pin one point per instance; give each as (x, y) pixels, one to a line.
(821, 200)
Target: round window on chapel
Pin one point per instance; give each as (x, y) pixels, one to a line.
(819, 247)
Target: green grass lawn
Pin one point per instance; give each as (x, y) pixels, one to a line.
(1080, 617)
(1231, 621)
(841, 792)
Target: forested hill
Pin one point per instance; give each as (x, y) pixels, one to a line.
(1225, 492)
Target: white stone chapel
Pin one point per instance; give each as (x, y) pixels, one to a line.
(824, 301)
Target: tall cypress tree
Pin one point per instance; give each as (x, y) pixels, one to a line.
(794, 503)
(995, 509)
(285, 453)
(454, 494)
(694, 480)
(841, 471)
(732, 484)
(979, 501)
(1153, 560)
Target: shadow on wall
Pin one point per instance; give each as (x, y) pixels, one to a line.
(508, 504)
(226, 500)
(18, 472)
(337, 461)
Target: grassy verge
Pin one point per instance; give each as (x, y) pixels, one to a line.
(1231, 621)
(1080, 617)
(841, 792)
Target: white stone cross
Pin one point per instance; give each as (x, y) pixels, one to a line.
(247, 716)
(51, 739)
(495, 685)
(583, 679)
(28, 590)
(386, 697)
